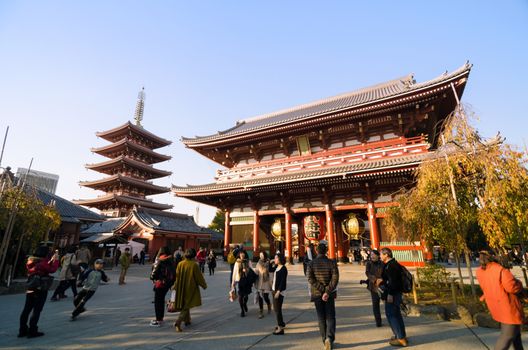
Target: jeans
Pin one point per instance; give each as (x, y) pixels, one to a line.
(327, 318)
(277, 305)
(202, 266)
(394, 316)
(376, 307)
(34, 302)
(510, 335)
(159, 302)
(80, 300)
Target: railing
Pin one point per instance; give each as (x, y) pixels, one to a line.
(352, 154)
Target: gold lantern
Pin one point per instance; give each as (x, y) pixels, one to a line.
(353, 227)
(276, 229)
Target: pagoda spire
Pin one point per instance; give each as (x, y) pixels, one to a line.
(140, 107)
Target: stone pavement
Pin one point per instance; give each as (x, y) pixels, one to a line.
(118, 318)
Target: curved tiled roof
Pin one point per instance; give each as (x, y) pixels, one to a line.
(121, 199)
(68, 211)
(109, 164)
(125, 179)
(384, 164)
(123, 129)
(121, 144)
(371, 95)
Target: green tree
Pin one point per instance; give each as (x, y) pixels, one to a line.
(218, 222)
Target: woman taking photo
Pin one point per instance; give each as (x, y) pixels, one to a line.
(500, 289)
(277, 291)
(39, 267)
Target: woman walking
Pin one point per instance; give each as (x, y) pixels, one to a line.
(67, 276)
(188, 280)
(211, 262)
(243, 278)
(500, 289)
(163, 275)
(263, 283)
(38, 267)
(277, 290)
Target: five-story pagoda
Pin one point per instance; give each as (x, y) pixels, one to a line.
(130, 168)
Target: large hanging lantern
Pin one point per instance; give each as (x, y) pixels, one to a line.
(353, 227)
(276, 229)
(314, 227)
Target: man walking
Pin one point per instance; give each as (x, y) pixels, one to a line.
(323, 277)
(124, 261)
(392, 285)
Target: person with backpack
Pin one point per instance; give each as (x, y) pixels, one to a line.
(89, 280)
(231, 260)
(39, 267)
(68, 275)
(323, 277)
(163, 276)
(243, 279)
(500, 290)
(392, 284)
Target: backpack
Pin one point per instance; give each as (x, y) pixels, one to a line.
(407, 280)
(231, 259)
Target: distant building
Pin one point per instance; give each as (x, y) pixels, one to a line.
(39, 179)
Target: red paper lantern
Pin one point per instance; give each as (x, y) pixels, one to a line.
(314, 227)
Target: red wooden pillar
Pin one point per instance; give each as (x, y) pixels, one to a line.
(288, 252)
(341, 255)
(227, 233)
(330, 232)
(256, 225)
(373, 224)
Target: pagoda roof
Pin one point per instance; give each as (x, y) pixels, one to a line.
(106, 167)
(123, 130)
(103, 183)
(126, 142)
(115, 198)
(383, 95)
(356, 170)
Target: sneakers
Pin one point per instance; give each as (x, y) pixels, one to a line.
(155, 323)
(399, 342)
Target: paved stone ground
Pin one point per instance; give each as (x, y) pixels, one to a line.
(118, 318)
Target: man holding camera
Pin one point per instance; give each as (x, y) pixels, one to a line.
(323, 277)
(374, 270)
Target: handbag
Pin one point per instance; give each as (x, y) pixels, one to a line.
(232, 295)
(171, 304)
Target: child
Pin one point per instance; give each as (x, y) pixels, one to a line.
(91, 279)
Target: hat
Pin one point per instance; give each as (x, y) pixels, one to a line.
(323, 242)
(99, 261)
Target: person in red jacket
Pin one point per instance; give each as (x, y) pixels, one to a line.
(201, 257)
(500, 289)
(39, 266)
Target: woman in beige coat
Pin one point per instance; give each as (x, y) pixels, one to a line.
(263, 283)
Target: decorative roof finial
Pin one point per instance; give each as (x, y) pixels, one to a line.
(140, 106)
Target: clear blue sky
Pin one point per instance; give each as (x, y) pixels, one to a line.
(71, 68)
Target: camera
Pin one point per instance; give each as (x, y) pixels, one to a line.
(363, 282)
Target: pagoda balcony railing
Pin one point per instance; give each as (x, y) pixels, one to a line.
(352, 154)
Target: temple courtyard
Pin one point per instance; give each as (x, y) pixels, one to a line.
(117, 317)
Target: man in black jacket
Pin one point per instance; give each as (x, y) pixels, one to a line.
(374, 270)
(323, 277)
(393, 287)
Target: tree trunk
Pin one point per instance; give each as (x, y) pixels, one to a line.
(470, 273)
(20, 241)
(461, 279)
